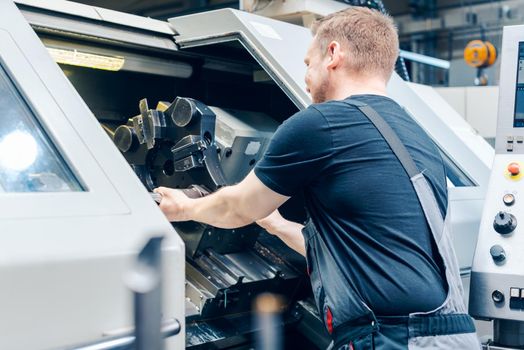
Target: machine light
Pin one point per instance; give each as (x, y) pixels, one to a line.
(18, 151)
(88, 60)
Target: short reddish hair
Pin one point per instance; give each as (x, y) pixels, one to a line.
(371, 37)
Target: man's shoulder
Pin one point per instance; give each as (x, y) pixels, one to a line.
(320, 113)
(307, 122)
(308, 117)
(332, 108)
(326, 107)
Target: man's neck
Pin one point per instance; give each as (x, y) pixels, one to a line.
(358, 86)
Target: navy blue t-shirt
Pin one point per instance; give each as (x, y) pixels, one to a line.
(361, 199)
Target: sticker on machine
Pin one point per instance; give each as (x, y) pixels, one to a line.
(252, 148)
(265, 30)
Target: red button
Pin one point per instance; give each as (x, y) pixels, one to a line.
(514, 169)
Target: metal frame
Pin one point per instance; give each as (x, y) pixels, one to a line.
(95, 23)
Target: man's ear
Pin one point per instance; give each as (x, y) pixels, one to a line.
(335, 55)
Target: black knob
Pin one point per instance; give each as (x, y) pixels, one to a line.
(497, 296)
(497, 253)
(504, 223)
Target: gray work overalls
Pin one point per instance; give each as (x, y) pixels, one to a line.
(351, 323)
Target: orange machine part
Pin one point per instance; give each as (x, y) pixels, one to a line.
(492, 53)
(480, 54)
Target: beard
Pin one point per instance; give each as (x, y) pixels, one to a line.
(320, 93)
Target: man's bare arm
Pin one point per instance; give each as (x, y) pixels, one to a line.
(230, 207)
(288, 231)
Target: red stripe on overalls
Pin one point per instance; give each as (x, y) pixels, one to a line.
(329, 320)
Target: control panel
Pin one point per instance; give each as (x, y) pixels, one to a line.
(497, 281)
(497, 278)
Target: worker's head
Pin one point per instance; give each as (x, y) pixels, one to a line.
(357, 43)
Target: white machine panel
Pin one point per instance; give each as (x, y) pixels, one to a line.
(497, 281)
(74, 217)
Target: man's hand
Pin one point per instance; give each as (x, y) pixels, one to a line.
(288, 231)
(173, 203)
(230, 207)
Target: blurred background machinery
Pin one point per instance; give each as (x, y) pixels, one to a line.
(480, 54)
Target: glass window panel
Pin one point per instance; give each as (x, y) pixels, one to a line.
(29, 162)
(456, 176)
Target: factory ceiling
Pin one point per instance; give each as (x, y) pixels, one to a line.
(163, 9)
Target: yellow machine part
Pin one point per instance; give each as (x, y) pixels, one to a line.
(480, 54)
(162, 106)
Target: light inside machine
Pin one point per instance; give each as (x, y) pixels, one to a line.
(89, 55)
(85, 59)
(18, 151)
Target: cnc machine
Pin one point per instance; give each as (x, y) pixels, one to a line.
(192, 103)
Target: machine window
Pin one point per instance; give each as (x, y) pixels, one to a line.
(29, 162)
(518, 119)
(456, 176)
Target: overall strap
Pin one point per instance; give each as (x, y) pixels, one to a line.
(389, 135)
(450, 317)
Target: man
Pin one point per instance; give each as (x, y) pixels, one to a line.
(379, 278)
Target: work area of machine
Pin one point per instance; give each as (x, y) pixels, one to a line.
(103, 101)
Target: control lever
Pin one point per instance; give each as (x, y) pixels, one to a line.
(157, 197)
(193, 191)
(196, 191)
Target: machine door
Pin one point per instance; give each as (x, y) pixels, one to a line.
(265, 39)
(73, 215)
(41, 148)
